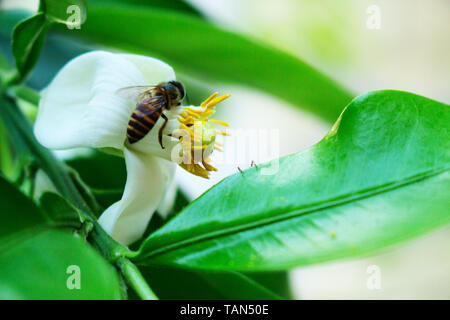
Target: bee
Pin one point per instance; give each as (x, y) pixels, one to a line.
(152, 101)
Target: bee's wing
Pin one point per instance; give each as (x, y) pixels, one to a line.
(154, 104)
(134, 92)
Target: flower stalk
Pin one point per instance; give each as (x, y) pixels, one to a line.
(136, 280)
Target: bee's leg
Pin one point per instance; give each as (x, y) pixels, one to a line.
(160, 132)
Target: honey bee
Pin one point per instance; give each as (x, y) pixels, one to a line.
(152, 101)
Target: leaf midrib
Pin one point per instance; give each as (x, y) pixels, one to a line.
(294, 213)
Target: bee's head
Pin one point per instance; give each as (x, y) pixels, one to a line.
(180, 88)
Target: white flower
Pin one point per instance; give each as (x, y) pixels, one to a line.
(81, 108)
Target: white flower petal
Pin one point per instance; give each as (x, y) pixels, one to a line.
(80, 107)
(168, 200)
(147, 178)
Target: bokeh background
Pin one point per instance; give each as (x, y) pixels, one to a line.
(408, 52)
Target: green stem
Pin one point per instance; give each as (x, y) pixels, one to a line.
(135, 279)
(6, 157)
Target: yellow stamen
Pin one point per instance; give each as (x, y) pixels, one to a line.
(197, 123)
(218, 100)
(207, 113)
(192, 112)
(204, 103)
(185, 127)
(222, 133)
(223, 123)
(199, 147)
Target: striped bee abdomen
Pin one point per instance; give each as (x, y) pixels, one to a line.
(142, 120)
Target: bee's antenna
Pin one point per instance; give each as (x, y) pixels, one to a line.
(240, 170)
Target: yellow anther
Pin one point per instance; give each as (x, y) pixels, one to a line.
(208, 166)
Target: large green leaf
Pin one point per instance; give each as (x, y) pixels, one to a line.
(40, 266)
(36, 259)
(380, 176)
(175, 5)
(278, 281)
(200, 49)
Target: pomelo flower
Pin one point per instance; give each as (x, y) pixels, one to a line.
(81, 108)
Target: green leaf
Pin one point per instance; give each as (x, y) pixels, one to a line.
(17, 212)
(108, 182)
(380, 176)
(237, 286)
(4, 65)
(200, 49)
(277, 282)
(28, 38)
(41, 266)
(60, 11)
(165, 281)
(56, 52)
(110, 171)
(58, 210)
(15, 160)
(37, 257)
